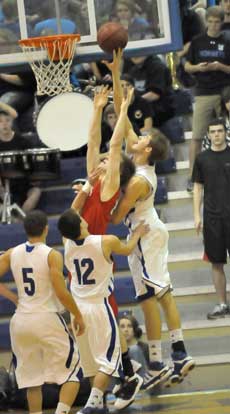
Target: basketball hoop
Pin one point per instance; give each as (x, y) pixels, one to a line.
(52, 67)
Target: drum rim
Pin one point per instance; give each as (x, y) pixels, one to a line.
(42, 150)
(8, 153)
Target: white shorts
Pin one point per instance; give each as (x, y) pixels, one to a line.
(44, 350)
(99, 346)
(149, 263)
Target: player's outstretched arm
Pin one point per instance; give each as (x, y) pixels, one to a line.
(5, 267)
(111, 244)
(55, 262)
(94, 143)
(112, 178)
(115, 68)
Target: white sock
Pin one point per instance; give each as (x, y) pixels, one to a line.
(62, 408)
(95, 399)
(39, 412)
(176, 335)
(155, 354)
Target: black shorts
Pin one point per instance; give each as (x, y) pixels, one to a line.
(216, 233)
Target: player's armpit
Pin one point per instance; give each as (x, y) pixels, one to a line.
(5, 262)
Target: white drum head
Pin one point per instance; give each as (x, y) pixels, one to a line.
(63, 121)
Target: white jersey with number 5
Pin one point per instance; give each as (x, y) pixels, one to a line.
(29, 265)
(92, 276)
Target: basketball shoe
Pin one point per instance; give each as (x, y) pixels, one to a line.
(183, 363)
(128, 391)
(158, 372)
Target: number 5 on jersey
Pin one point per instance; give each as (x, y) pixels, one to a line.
(29, 284)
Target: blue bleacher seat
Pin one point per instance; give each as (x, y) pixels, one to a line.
(174, 130)
(71, 168)
(55, 202)
(161, 195)
(13, 234)
(6, 306)
(124, 290)
(167, 166)
(5, 343)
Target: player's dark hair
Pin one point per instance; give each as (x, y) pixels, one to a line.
(35, 223)
(69, 224)
(217, 121)
(127, 78)
(160, 147)
(135, 325)
(127, 169)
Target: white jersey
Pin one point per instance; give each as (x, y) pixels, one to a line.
(91, 273)
(144, 209)
(29, 265)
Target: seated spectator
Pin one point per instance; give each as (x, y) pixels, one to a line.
(8, 41)
(17, 90)
(139, 112)
(153, 81)
(48, 22)
(10, 22)
(24, 192)
(77, 10)
(132, 332)
(124, 13)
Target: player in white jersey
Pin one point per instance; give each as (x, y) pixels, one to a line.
(87, 257)
(148, 263)
(44, 350)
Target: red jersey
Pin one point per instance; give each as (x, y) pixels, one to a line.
(96, 212)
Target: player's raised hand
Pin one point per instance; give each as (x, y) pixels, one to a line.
(95, 174)
(79, 326)
(142, 229)
(101, 96)
(127, 100)
(115, 65)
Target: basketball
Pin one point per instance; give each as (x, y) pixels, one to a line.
(112, 36)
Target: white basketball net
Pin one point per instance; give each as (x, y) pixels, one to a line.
(52, 76)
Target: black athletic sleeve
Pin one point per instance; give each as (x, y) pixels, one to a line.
(197, 173)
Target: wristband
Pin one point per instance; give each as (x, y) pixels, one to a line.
(87, 187)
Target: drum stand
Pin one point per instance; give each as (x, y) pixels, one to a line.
(7, 207)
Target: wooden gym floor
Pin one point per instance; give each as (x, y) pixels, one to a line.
(208, 402)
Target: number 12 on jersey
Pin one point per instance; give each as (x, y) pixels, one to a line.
(84, 268)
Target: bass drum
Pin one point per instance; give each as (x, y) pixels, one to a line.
(63, 121)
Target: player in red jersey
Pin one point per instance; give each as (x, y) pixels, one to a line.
(96, 202)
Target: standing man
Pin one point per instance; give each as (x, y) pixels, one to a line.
(211, 177)
(88, 259)
(43, 349)
(208, 59)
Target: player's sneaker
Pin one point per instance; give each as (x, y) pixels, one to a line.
(219, 311)
(158, 372)
(93, 410)
(117, 387)
(183, 363)
(127, 393)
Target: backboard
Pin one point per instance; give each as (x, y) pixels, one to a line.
(153, 25)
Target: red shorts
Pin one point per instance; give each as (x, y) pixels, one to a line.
(113, 304)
